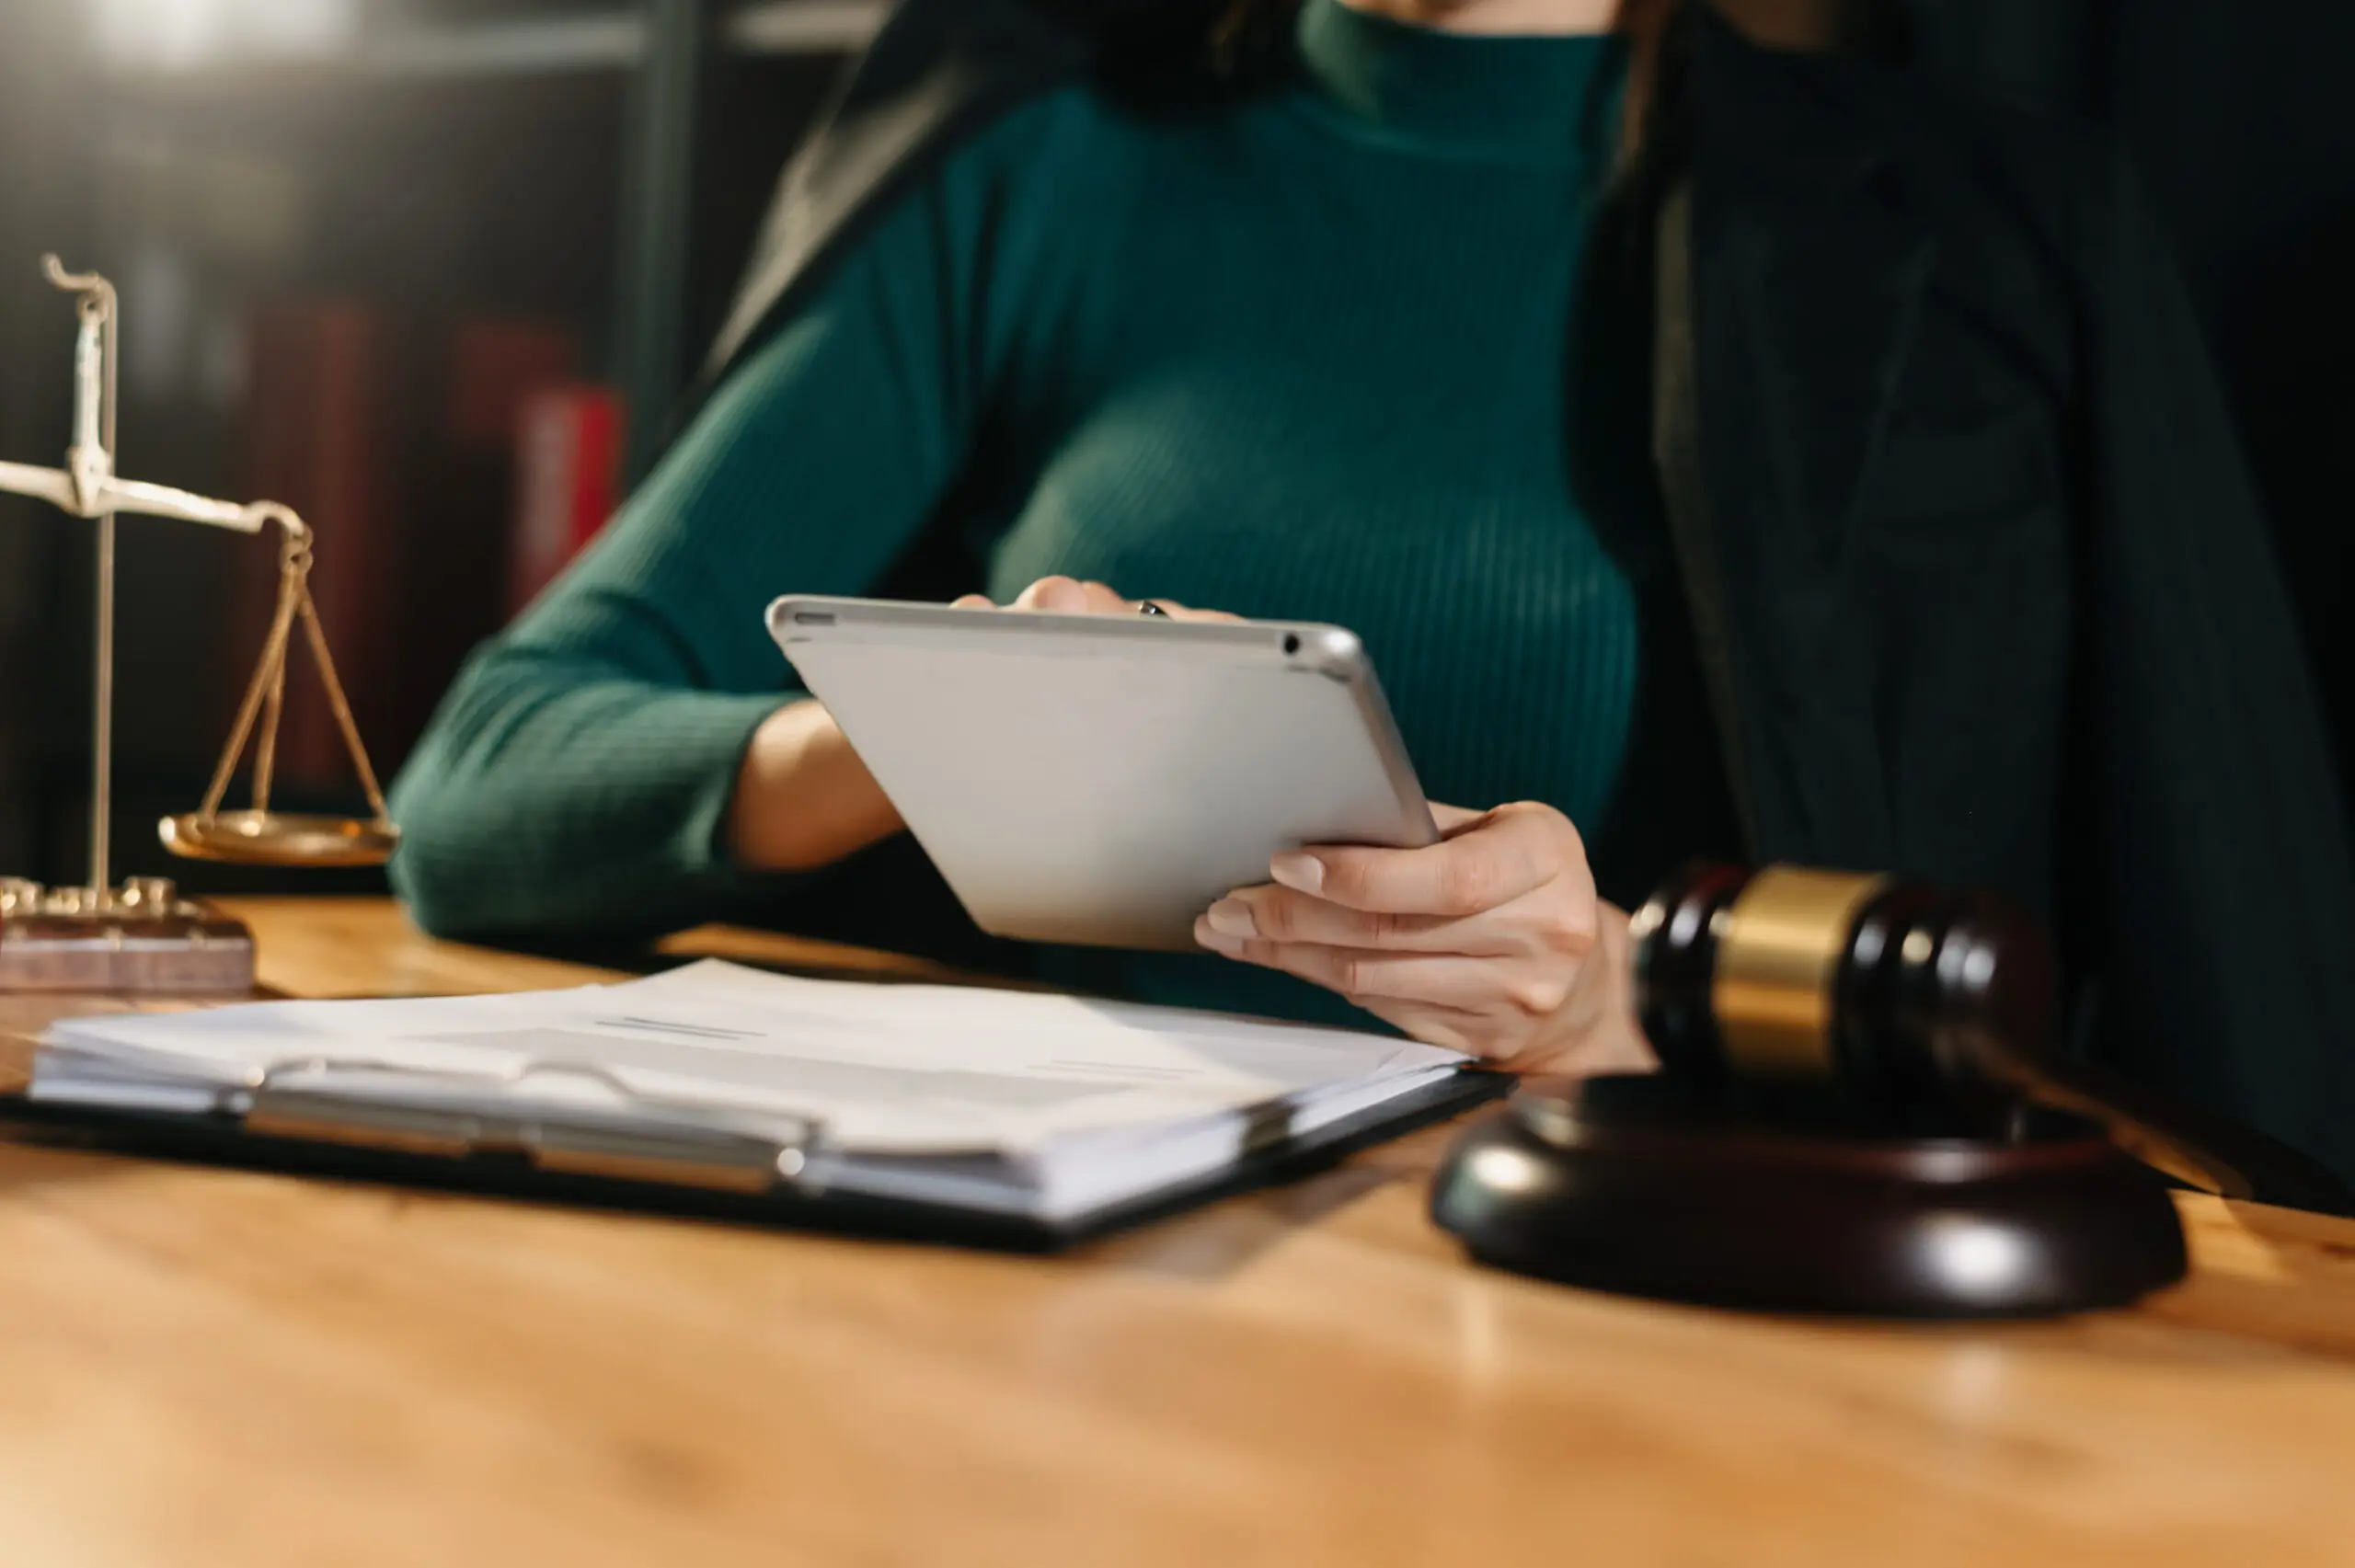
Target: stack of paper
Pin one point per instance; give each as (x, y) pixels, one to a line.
(1048, 1106)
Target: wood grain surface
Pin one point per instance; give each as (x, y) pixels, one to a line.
(208, 1367)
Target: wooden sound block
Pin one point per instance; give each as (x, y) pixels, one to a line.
(169, 946)
(1625, 1185)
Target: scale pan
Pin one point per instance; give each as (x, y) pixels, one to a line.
(276, 838)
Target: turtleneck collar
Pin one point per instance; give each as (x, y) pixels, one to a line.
(1548, 98)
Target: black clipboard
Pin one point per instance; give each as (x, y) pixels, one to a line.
(221, 1138)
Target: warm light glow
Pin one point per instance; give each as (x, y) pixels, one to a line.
(179, 35)
(1507, 1171)
(1974, 1257)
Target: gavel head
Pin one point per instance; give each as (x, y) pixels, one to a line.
(1856, 1116)
(1923, 1006)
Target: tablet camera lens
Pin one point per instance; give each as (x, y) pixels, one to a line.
(1291, 641)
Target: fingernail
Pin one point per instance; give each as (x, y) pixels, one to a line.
(1232, 916)
(1301, 873)
(1216, 941)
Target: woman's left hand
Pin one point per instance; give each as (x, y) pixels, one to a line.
(1491, 942)
(1068, 596)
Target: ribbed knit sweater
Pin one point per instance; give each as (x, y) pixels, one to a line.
(1305, 356)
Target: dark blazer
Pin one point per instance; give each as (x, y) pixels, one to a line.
(1979, 584)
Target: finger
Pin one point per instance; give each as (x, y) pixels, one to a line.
(973, 601)
(1440, 979)
(1504, 856)
(1596, 1030)
(1068, 596)
(1071, 596)
(1177, 611)
(1449, 1028)
(1453, 819)
(1279, 914)
(1052, 594)
(1478, 1034)
(1510, 1050)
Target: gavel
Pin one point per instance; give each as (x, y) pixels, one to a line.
(1861, 1107)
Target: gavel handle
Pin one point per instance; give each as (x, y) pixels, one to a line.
(2205, 1152)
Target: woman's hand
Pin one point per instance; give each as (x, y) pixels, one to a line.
(1069, 596)
(1490, 941)
(803, 799)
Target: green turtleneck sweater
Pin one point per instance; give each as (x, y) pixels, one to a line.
(1305, 356)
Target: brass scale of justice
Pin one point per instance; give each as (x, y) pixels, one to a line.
(142, 935)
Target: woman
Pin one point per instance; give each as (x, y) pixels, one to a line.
(1719, 450)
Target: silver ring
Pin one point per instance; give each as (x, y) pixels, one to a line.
(1147, 607)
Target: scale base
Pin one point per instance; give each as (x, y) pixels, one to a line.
(1623, 1186)
(139, 939)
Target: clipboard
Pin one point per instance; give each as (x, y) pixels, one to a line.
(638, 1165)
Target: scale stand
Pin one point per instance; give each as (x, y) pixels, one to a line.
(142, 936)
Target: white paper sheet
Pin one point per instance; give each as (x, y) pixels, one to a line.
(884, 1068)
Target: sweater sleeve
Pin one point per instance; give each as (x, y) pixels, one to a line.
(576, 777)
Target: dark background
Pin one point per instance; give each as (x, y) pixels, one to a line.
(582, 172)
(590, 173)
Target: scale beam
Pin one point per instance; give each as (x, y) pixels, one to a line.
(111, 496)
(42, 485)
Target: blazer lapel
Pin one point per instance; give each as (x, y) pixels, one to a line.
(1826, 298)
(1807, 280)
(1805, 243)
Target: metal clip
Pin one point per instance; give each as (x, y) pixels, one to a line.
(654, 1140)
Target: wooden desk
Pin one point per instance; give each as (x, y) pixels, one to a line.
(208, 1367)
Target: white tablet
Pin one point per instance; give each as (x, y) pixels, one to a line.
(1102, 780)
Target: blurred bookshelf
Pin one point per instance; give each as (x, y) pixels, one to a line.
(498, 46)
(357, 241)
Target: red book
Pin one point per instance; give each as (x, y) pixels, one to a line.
(497, 365)
(461, 534)
(324, 435)
(400, 452)
(568, 481)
